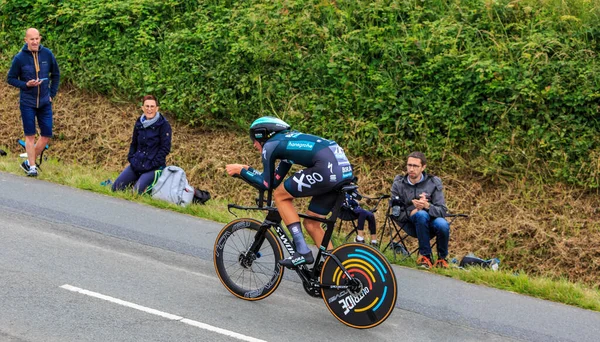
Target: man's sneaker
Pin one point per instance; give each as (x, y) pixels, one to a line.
(297, 259)
(359, 241)
(441, 263)
(32, 172)
(375, 244)
(25, 166)
(424, 261)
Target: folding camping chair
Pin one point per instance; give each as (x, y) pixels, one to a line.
(348, 215)
(399, 236)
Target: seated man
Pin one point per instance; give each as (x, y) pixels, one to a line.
(326, 166)
(363, 215)
(421, 195)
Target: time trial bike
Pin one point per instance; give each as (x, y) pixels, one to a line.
(355, 280)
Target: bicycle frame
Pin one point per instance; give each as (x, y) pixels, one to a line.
(309, 276)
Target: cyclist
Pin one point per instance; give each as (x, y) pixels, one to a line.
(325, 165)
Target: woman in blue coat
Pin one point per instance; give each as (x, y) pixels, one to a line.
(150, 145)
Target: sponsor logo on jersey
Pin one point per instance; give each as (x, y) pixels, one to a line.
(300, 145)
(254, 172)
(339, 154)
(333, 178)
(311, 179)
(346, 169)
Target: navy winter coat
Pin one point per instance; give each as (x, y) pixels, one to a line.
(23, 70)
(150, 146)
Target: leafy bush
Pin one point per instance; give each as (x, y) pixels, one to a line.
(510, 87)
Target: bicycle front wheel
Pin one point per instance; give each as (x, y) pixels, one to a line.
(246, 274)
(372, 294)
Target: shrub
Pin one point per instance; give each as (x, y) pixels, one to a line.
(512, 87)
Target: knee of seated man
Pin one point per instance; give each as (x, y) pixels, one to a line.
(421, 215)
(441, 224)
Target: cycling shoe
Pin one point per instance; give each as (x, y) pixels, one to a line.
(297, 259)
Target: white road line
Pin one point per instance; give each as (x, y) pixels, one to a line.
(162, 314)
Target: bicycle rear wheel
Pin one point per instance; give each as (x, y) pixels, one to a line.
(247, 275)
(373, 295)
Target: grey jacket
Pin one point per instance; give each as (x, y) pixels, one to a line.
(403, 193)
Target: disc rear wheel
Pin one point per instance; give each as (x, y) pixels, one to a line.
(372, 292)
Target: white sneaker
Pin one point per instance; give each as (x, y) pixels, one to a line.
(32, 172)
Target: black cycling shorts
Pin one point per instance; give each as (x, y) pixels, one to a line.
(317, 182)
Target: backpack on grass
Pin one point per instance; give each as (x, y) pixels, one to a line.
(172, 186)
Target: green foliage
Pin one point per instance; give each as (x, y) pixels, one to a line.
(511, 86)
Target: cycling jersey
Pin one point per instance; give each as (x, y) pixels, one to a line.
(325, 162)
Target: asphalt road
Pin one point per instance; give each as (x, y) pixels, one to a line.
(78, 266)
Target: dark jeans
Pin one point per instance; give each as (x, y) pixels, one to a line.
(365, 215)
(129, 177)
(421, 226)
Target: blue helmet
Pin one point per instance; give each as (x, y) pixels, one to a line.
(264, 128)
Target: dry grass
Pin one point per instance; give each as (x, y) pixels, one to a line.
(551, 230)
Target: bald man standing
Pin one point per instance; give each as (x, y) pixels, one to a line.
(35, 72)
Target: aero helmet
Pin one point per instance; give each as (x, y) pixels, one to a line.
(264, 128)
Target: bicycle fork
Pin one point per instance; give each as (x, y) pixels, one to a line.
(253, 251)
(260, 236)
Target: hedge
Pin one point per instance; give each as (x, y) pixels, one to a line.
(506, 88)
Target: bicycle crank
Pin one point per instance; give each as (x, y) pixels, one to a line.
(311, 289)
